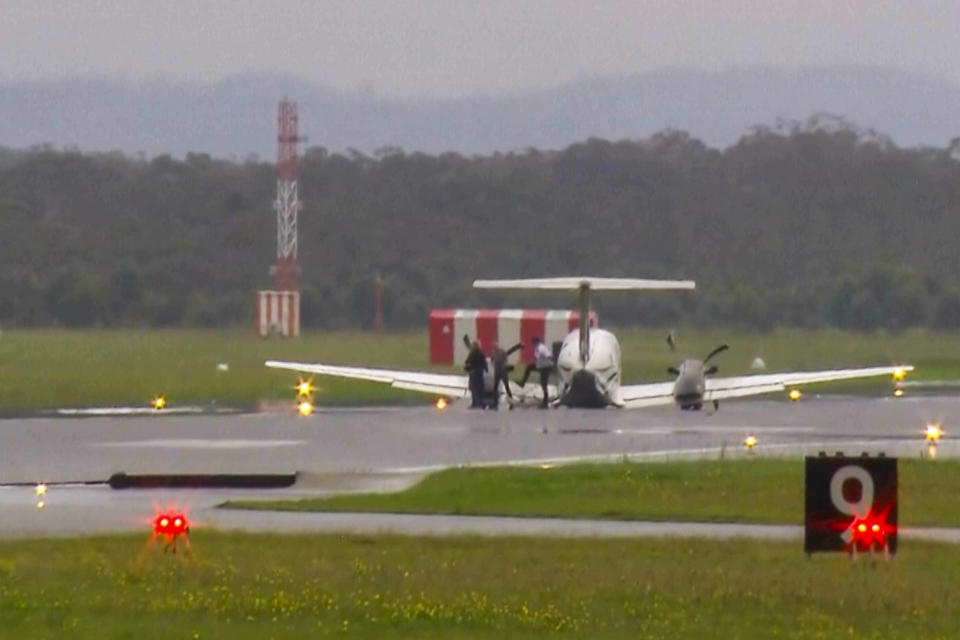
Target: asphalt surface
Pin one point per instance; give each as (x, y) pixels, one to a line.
(386, 449)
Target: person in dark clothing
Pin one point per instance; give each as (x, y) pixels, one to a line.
(476, 366)
(501, 369)
(543, 364)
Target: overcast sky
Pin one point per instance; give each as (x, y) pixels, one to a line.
(443, 48)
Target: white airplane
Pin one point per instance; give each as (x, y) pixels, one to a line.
(589, 365)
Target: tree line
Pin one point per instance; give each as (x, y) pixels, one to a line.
(812, 226)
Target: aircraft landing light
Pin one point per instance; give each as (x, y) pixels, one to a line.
(159, 402)
(441, 404)
(899, 374)
(750, 442)
(40, 489)
(794, 395)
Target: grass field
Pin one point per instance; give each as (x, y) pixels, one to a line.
(49, 368)
(266, 586)
(767, 490)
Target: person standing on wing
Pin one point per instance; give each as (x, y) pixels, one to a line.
(500, 369)
(543, 364)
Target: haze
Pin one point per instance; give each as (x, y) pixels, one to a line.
(438, 49)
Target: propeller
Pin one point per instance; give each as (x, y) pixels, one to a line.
(672, 341)
(709, 371)
(719, 349)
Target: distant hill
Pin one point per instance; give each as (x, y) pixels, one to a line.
(236, 117)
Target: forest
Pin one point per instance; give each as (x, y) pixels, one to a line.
(807, 226)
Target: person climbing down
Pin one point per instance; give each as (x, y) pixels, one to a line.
(543, 364)
(501, 369)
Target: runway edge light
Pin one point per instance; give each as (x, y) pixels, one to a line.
(305, 407)
(794, 395)
(304, 388)
(172, 526)
(933, 432)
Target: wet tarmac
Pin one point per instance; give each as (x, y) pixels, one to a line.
(386, 449)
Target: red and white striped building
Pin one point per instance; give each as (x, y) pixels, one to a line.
(278, 313)
(506, 326)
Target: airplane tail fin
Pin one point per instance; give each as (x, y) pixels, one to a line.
(584, 284)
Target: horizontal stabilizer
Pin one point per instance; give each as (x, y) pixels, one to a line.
(574, 284)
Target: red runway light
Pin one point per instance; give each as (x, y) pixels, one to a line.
(870, 532)
(170, 525)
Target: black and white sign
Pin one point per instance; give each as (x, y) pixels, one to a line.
(851, 504)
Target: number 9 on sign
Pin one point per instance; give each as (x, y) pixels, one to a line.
(851, 504)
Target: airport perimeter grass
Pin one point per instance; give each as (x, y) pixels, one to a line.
(240, 586)
(52, 368)
(764, 490)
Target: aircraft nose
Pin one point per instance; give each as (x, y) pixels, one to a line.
(686, 387)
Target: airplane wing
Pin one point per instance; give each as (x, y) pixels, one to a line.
(449, 385)
(661, 393)
(742, 386)
(637, 396)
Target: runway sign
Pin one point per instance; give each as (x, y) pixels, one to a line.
(851, 504)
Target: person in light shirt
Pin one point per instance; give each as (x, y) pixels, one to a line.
(543, 364)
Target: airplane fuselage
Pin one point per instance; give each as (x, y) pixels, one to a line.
(591, 380)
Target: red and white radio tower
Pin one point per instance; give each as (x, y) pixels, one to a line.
(287, 204)
(277, 311)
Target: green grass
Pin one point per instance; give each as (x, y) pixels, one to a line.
(269, 586)
(51, 368)
(767, 490)
(46, 369)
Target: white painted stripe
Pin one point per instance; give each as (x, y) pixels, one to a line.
(129, 411)
(508, 330)
(199, 443)
(264, 313)
(464, 322)
(274, 310)
(557, 327)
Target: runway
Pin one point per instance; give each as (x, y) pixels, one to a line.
(379, 449)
